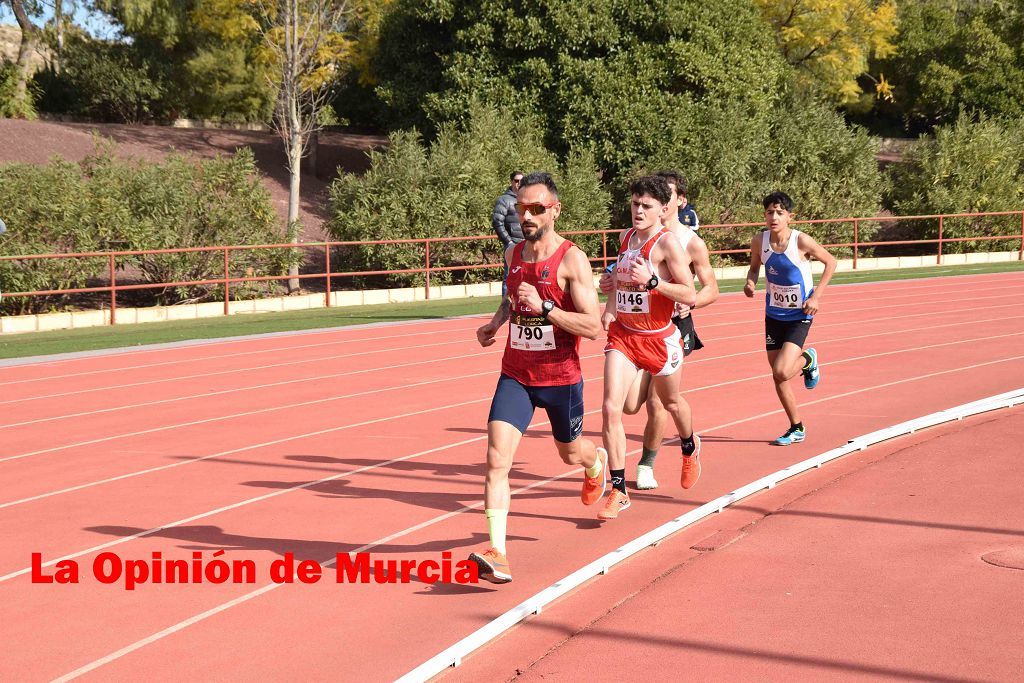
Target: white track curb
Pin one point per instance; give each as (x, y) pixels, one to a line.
(453, 655)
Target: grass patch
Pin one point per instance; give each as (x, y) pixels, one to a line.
(93, 338)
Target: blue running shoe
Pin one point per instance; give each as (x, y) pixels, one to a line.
(812, 374)
(792, 435)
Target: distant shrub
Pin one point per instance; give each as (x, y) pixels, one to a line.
(449, 188)
(970, 166)
(107, 204)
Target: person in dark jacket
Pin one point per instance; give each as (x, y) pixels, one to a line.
(504, 219)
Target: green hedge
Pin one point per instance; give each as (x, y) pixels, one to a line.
(105, 204)
(448, 188)
(970, 166)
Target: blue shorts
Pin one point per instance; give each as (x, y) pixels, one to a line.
(514, 403)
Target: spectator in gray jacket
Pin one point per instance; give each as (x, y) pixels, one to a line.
(505, 219)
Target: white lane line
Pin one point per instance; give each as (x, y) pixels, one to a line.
(366, 468)
(250, 368)
(248, 413)
(715, 313)
(704, 316)
(301, 380)
(235, 354)
(181, 463)
(120, 352)
(945, 309)
(600, 565)
(703, 326)
(453, 655)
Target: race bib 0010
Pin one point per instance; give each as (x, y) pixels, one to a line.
(785, 296)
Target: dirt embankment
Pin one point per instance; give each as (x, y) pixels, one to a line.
(37, 141)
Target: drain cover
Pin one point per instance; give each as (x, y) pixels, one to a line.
(1011, 558)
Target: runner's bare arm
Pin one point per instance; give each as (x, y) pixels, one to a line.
(670, 260)
(586, 321)
(754, 271)
(701, 260)
(576, 277)
(810, 247)
(485, 333)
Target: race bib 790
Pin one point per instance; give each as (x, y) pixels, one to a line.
(531, 337)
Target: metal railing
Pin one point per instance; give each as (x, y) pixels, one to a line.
(227, 281)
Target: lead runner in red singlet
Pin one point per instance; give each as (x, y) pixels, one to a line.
(652, 274)
(551, 303)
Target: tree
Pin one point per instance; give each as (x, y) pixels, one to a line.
(21, 105)
(308, 42)
(208, 52)
(830, 42)
(620, 78)
(639, 85)
(956, 56)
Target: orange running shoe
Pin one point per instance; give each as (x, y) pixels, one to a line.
(691, 466)
(617, 502)
(492, 565)
(593, 488)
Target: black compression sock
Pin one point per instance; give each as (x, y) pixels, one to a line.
(619, 479)
(688, 445)
(648, 457)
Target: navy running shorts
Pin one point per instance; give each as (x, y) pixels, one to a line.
(515, 402)
(690, 341)
(778, 332)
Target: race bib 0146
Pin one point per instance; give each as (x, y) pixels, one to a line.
(632, 302)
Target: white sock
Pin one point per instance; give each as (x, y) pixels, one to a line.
(497, 523)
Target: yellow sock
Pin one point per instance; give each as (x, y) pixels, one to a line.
(595, 469)
(497, 523)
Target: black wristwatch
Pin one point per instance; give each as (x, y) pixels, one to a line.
(547, 307)
(653, 282)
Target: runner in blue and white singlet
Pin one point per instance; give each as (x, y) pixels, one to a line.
(790, 282)
(791, 300)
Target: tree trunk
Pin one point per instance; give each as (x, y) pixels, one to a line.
(294, 225)
(312, 147)
(29, 40)
(58, 22)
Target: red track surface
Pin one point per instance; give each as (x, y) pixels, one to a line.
(373, 439)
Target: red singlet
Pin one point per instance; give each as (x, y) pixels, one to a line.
(538, 353)
(636, 309)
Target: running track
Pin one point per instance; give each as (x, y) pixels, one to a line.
(372, 439)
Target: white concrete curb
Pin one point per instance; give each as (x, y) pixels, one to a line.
(453, 655)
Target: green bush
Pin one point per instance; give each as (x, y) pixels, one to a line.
(107, 204)
(448, 188)
(12, 106)
(803, 148)
(970, 166)
(45, 213)
(101, 81)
